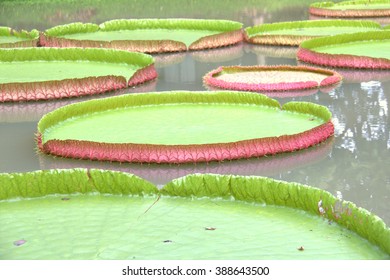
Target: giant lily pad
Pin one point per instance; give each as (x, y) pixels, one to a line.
(352, 9)
(10, 38)
(96, 214)
(146, 35)
(270, 78)
(293, 33)
(366, 50)
(51, 73)
(177, 127)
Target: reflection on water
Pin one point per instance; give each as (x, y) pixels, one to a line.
(166, 59)
(356, 162)
(272, 51)
(353, 76)
(219, 55)
(161, 174)
(34, 110)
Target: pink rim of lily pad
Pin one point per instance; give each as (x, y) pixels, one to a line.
(75, 87)
(342, 60)
(17, 92)
(143, 153)
(184, 153)
(213, 78)
(161, 174)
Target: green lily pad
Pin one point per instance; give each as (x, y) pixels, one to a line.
(350, 9)
(50, 73)
(10, 38)
(359, 50)
(293, 33)
(146, 35)
(270, 78)
(212, 126)
(96, 214)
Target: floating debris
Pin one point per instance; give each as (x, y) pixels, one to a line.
(19, 242)
(65, 198)
(301, 248)
(210, 228)
(167, 241)
(320, 209)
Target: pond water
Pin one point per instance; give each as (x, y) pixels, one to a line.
(356, 161)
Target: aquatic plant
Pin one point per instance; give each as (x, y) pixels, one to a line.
(141, 137)
(348, 50)
(270, 78)
(295, 32)
(351, 9)
(291, 211)
(52, 73)
(146, 35)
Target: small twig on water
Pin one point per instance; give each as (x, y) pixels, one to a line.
(158, 198)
